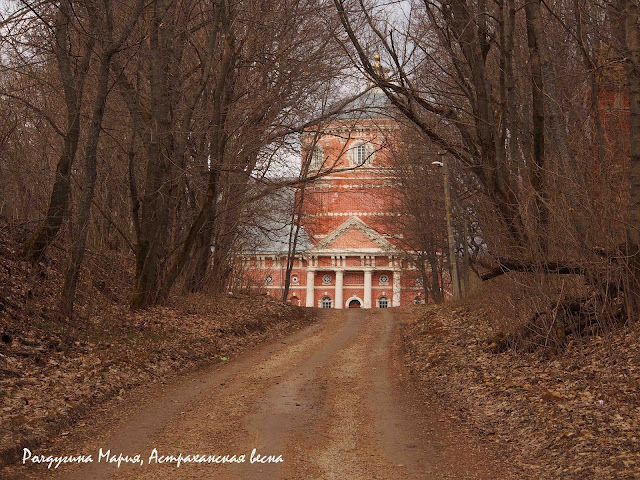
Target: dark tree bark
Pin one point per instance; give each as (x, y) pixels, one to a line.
(157, 130)
(101, 24)
(628, 23)
(435, 289)
(539, 167)
(73, 72)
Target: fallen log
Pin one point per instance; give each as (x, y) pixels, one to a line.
(510, 265)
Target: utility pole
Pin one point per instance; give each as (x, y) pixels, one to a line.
(453, 264)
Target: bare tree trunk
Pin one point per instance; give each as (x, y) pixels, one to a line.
(296, 218)
(220, 262)
(436, 277)
(466, 265)
(67, 296)
(199, 239)
(594, 94)
(201, 231)
(158, 188)
(73, 85)
(101, 26)
(195, 282)
(538, 170)
(293, 241)
(555, 114)
(628, 11)
(509, 108)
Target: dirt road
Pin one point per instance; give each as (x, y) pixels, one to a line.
(332, 400)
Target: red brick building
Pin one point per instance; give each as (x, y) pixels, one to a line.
(349, 252)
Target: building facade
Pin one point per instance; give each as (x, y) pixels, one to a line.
(349, 252)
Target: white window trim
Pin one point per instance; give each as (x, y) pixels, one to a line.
(322, 300)
(386, 300)
(317, 157)
(368, 152)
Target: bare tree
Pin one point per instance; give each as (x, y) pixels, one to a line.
(224, 54)
(421, 211)
(483, 83)
(627, 15)
(72, 51)
(101, 24)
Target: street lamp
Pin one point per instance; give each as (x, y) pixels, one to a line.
(447, 205)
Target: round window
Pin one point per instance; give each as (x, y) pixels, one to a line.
(384, 280)
(268, 280)
(326, 280)
(294, 279)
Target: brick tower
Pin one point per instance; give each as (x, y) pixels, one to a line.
(349, 255)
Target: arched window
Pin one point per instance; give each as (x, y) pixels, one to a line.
(362, 154)
(317, 157)
(383, 302)
(326, 302)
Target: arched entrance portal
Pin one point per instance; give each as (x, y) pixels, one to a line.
(355, 303)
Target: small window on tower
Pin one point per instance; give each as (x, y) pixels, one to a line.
(362, 154)
(317, 157)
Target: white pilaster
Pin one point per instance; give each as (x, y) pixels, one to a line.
(311, 277)
(396, 288)
(339, 289)
(367, 289)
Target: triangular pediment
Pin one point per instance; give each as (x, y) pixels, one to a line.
(353, 235)
(352, 238)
